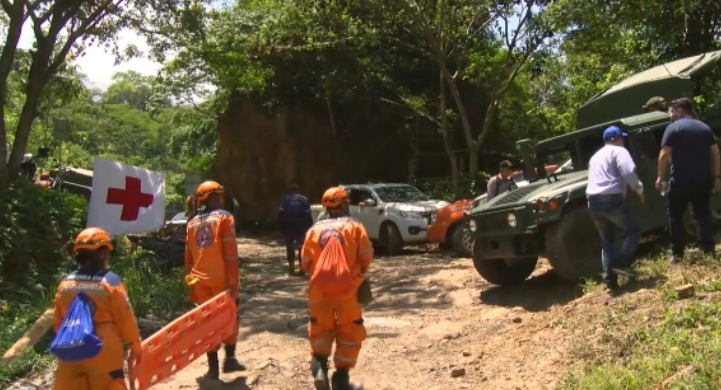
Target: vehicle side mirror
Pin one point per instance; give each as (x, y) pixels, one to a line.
(368, 203)
(645, 145)
(526, 151)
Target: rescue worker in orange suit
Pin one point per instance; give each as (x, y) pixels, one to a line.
(44, 183)
(211, 263)
(336, 318)
(113, 317)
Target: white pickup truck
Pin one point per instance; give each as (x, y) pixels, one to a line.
(394, 215)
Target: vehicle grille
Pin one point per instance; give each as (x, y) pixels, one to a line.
(428, 216)
(517, 194)
(493, 222)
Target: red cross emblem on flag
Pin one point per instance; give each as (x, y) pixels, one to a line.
(131, 198)
(126, 199)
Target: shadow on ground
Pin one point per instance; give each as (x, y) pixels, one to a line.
(235, 384)
(536, 294)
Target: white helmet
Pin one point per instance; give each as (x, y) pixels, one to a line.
(27, 157)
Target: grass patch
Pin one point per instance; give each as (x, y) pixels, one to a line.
(655, 340)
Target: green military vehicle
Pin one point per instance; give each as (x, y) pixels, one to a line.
(549, 217)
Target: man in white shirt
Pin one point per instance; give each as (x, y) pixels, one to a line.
(610, 171)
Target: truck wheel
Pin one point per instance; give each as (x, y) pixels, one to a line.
(573, 246)
(501, 271)
(462, 241)
(392, 241)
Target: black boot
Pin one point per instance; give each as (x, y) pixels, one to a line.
(319, 369)
(230, 363)
(213, 372)
(341, 380)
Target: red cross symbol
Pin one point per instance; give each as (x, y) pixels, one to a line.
(131, 198)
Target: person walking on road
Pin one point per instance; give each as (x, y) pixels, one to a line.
(610, 171)
(502, 182)
(112, 317)
(211, 263)
(337, 254)
(295, 219)
(690, 148)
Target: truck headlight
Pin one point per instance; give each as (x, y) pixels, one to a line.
(411, 215)
(512, 221)
(472, 225)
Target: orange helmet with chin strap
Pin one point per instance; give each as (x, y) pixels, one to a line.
(92, 239)
(206, 189)
(334, 197)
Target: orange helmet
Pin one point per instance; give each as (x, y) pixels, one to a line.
(334, 197)
(92, 239)
(44, 176)
(206, 189)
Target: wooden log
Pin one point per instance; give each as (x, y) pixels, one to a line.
(29, 339)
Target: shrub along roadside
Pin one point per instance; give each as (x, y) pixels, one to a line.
(679, 350)
(36, 233)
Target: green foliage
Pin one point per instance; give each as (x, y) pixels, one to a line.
(684, 338)
(36, 230)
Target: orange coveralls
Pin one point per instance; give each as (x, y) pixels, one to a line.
(211, 258)
(114, 323)
(338, 318)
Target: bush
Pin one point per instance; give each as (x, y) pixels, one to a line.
(468, 188)
(36, 229)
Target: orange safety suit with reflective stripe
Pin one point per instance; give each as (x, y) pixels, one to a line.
(211, 258)
(114, 324)
(338, 318)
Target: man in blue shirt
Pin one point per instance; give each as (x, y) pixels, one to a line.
(610, 171)
(690, 148)
(295, 220)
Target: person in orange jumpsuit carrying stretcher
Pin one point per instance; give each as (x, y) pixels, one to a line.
(211, 263)
(337, 253)
(113, 317)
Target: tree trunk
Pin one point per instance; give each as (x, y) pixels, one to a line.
(37, 79)
(456, 94)
(446, 141)
(25, 123)
(473, 160)
(14, 28)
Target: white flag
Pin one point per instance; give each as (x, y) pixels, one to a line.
(126, 199)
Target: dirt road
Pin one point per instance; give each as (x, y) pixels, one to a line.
(435, 324)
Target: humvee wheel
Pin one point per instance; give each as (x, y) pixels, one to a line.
(573, 246)
(503, 272)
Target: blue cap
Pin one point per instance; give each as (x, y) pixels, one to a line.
(612, 133)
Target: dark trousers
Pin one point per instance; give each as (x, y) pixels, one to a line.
(293, 244)
(678, 198)
(613, 220)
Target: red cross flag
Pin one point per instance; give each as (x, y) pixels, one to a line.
(126, 199)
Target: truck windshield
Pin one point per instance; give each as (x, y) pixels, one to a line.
(400, 194)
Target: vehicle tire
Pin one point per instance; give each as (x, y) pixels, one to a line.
(573, 246)
(461, 240)
(500, 271)
(392, 240)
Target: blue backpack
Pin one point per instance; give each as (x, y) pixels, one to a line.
(76, 339)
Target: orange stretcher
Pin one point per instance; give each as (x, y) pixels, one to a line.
(182, 341)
